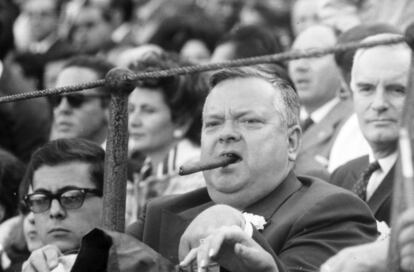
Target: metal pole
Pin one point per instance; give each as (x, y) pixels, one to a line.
(115, 177)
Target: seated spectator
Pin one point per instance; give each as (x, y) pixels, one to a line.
(246, 41)
(66, 177)
(38, 40)
(225, 12)
(164, 125)
(323, 113)
(379, 89)
(92, 29)
(253, 114)
(304, 15)
(82, 114)
(350, 143)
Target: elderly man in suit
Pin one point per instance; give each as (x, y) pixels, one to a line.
(318, 83)
(252, 115)
(378, 82)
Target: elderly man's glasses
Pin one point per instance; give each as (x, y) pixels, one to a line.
(75, 100)
(69, 198)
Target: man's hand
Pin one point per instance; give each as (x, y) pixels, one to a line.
(405, 228)
(363, 258)
(44, 259)
(206, 223)
(233, 249)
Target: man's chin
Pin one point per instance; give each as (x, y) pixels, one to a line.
(65, 245)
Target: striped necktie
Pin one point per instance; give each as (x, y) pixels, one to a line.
(360, 187)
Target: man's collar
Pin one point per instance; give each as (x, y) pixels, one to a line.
(322, 111)
(386, 163)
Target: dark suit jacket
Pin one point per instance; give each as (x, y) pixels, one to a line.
(380, 202)
(308, 221)
(317, 141)
(24, 125)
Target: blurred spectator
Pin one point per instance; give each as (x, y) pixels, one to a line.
(174, 33)
(345, 14)
(318, 83)
(350, 143)
(82, 114)
(8, 13)
(36, 29)
(304, 14)
(11, 173)
(92, 29)
(18, 235)
(225, 12)
(246, 41)
(274, 15)
(132, 55)
(165, 125)
(24, 125)
(38, 40)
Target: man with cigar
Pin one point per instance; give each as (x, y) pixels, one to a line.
(251, 114)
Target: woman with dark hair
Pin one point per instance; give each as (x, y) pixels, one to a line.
(164, 125)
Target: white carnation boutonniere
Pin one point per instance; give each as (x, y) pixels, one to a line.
(258, 221)
(383, 230)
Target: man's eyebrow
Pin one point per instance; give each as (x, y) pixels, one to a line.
(63, 189)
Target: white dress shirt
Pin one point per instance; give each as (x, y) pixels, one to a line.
(349, 144)
(321, 112)
(378, 176)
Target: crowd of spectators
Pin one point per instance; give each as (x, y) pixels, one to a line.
(350, 110)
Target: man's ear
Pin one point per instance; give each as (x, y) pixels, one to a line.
(294, 141)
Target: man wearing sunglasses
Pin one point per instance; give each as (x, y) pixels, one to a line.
(82, 114)
(66, 176)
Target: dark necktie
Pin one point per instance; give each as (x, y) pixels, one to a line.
(360, 187)
(306, 124)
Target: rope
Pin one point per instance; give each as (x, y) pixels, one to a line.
(286, 56)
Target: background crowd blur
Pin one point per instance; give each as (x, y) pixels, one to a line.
(49, 43)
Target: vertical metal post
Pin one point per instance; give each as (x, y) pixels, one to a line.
(115, 177)
(400, 180)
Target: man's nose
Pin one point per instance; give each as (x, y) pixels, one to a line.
(56, 209)
(380, 100)
(229, 132)
(300, 65)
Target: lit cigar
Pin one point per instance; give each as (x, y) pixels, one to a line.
(207, 165)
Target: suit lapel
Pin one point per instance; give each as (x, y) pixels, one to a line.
(173, 225)
(272, 202)
(324, 129)
(383, 192)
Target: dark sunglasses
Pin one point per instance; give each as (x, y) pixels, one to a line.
(69, 198)
(75, 100)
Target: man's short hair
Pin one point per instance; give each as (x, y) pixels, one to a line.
(98, 65)
(345, 59)
(361, 51)
(273, 74)
(63, 151)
